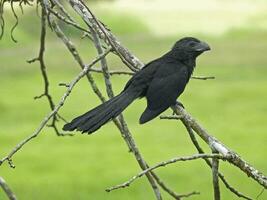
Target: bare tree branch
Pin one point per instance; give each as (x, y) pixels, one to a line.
(175, 117)
(142, 163)
(261, 192)
(218, 146)
(104, 64)
(215, 177)
(129, 59)
(170, 191)
(63, 10)
(67, 21)
(7, 190)
(200, 150)
(40, 58)
(132, 73)
(163, 164)
(101, 35)
(203, 77)
(55, 110)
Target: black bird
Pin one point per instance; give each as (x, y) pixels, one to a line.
(161, 81)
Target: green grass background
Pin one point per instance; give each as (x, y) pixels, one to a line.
(232, 107)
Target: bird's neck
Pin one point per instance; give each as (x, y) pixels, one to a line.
(191, 64)
(187, 59)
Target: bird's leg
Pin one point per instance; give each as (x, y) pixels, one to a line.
(178, 103)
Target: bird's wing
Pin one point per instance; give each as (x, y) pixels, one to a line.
(168, 83)
(144, 75)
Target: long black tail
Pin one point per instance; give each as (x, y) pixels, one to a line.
(95, 118)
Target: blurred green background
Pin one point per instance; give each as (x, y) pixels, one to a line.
(232, 107)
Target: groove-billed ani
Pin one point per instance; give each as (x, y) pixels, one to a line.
(161, 81)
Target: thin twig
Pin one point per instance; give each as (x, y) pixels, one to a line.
(67, 21)
(175, 195)
(203, 77)
(175, 117)
(71, 47)
(104, 64)
(7, 190)
(113, 72)
(261, 192)
(126, 134)
(63, 10)
(163, 164)
(218, 146)
(130, 73)
(55, 110)
(208, 162)
(215, 177)
(79, 60)
(40, 58)
(131, 61)
(16, 22)
(105, 72)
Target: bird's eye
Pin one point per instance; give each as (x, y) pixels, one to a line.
(192, 44)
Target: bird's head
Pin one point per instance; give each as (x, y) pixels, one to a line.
(190, 47)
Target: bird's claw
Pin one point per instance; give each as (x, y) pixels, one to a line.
(178, 103)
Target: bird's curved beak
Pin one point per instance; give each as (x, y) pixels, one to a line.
(202, 46)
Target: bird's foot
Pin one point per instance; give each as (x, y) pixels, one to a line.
(178, 103)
